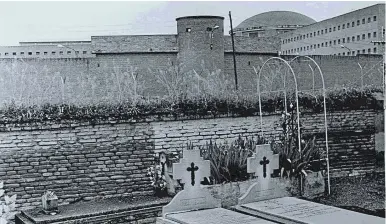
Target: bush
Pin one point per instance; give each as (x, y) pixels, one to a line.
(228, 162)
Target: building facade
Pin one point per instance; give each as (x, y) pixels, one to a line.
(54, 49)
(349, 34)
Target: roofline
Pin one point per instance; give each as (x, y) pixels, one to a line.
(200, 17)
(333, 17)
(47, 42)
(133, 35)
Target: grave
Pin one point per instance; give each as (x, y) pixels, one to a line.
(195, 204)
(267, 198)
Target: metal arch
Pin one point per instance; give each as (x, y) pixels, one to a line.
(296, 95)
(325, 116)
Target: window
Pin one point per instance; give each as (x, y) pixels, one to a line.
(338, 54)
(358, 51)
(318, 45)
(84, 52)
(343, 26)
(314, 46)
(6, 53)
(22, 53)
(375, 34)
(364, 51)
(314, 33)
(353, 53)
(61, 52)
(352, 24)
(334, 42)
(363, 36)
(308, 47)
(344, 54)
(374, 18)
(369, 51)
(358, 22)
(53, 53)
(348, 53)
(29, 53)
(368, 35)
(318, 32)
(307, 35)
(329, 30)
(325, 31)
(76, 52)
(375, 50)
(353, 39)
(37, 53)
(330, 42)
(45, 53)
(310, 34)
(304, 36)
(363, 21)
(338, 41)
(338, 27)
(188, 30)
(300, 37)
(311, 47)
(13, 53)
(297, 38)
(68, 52)
(369, 20)
(358, 37)
(326, 44)
(334, 28)
(348, 39)
(348, 25)
(321, 31)
(322, 44)
(343, 40)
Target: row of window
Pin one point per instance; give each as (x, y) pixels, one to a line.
(44, 53)
(339, 41)
(328, 30)
(374, 51)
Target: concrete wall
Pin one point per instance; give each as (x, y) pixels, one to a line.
(108, 78)
(77, 159)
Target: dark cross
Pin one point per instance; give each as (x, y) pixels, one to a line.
(264, 162)
(192, 169)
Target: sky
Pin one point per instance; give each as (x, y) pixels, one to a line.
(75, 20)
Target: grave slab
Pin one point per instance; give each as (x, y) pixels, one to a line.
(294, 211)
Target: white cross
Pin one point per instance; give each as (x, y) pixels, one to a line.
(192, 168)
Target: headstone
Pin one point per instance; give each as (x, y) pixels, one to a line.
(294, 210)
(195, 204)
(262, 164)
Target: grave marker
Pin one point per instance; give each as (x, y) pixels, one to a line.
(195, 204)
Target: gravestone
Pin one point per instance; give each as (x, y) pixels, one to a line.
(268, 198)
(195, 204)
(262, 164)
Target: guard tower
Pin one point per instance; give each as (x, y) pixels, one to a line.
(200, 39)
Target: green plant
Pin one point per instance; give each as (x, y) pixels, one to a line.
(7, 206)
(229, 161)
(295, 162)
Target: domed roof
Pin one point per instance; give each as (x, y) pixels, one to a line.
(274, 19)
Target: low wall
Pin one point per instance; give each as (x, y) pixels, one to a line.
(79, 160)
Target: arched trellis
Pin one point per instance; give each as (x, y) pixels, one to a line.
(296, 100)
(285, 100)
(325, 110)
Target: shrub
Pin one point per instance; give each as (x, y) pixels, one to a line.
(7, 206)
(229, 161)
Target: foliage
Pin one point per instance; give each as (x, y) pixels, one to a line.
(157, 178)
(292, 161)
(228, 162)
(7, 206)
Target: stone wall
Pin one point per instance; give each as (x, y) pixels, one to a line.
(82, 160)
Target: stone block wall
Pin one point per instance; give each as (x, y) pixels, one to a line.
(81, 160)
(76, 161)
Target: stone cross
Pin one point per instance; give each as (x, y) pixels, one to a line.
(263, 162)
(191, 169)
